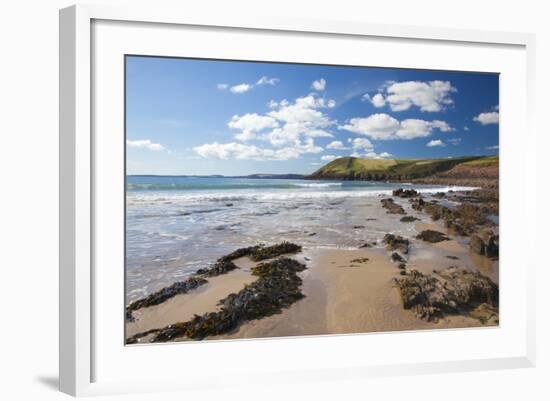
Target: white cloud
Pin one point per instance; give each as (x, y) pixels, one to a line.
(454, 141)
(494, 147)
(329, 157)
(337, 145)
(429, 96)
(384, 127)
(239, 151)
(376, 100)
(272, 104)
(466, 128)
(250, 124)
(435, 142)
(487, 118)
(301, 118)
(145, 144)
(267, 81)
(362, 143)
(371, 155)
(222, 87)
(319, 85)
(331, 103)
(241, 88)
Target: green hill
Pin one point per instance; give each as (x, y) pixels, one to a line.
(353, 168)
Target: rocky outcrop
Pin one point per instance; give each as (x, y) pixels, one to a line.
(405, 193)
(485, 243)
(455, 290)
(391, 206)
(164, 294)
(278, 286)
(408, 219)
(432, 236)
(396, 243)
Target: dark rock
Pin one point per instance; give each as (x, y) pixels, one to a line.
(358, 227)
(402, 266)
(220, 267)
(365, 245)
(417, 203)
(485, 243)
(454, 290)
(405, 193)
(432, 236)
(392, 207)
(268, 252)
(408, 219)
(397, 258)
(452, 257)
(396, 243)
(166, 293)
(359, 260)
(403, 272)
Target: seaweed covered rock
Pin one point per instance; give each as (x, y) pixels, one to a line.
(454, 290)
(417, 203)
(391, 206)
(405, 193)
(164, 294)
(220, 267)
(396, 243)
(432, 236)
(239, 253)
(408, 219)
(278, 286)
(268, 252)
(485, 243)
(397, 258)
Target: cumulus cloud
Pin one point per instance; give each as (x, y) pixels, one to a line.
(239, 151)
(319, 85)
(429, 96)
(250, 124)
(491, 117)
(241, 88)
(267, 81)
(361, 143)
(145, 144)
(371, 155)
(382, 126)
(331, 103)
(376, 100)
(328, 157)
(222, 87)
(435, 142)
(336, 145)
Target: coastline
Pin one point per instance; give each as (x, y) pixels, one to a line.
(343, 292)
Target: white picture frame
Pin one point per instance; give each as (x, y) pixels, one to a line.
(78, 164)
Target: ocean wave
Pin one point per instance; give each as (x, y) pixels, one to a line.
(198, 198)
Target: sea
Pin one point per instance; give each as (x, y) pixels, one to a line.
(176, 225)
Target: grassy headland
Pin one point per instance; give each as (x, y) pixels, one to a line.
(473, 170)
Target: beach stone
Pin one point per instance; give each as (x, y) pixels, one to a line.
(396, 243)
(485, 243)
(397, 258)
(391, 206)
(454, 290)
(405, 193)
(432, 236)
(408, 219)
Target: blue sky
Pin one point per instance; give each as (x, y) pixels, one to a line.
(186, 116)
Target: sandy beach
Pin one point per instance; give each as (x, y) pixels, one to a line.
(346, 290)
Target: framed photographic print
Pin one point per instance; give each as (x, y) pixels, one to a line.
(342, 196)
